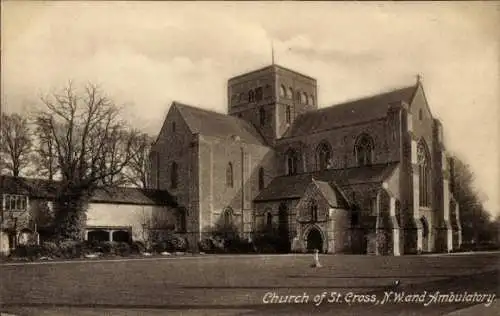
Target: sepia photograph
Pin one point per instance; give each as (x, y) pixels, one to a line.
(249, 158)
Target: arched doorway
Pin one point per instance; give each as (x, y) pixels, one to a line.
(314, 240)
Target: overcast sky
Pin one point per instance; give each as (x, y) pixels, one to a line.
(147, 54)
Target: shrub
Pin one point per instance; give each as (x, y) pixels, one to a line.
(27, 251)
(137, 247)
(206, 245)
(122, 249)
(50, 249)
(267, 243)
(70, 248)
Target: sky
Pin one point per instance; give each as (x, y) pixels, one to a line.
(144, 55)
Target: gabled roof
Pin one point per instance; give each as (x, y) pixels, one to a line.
(293, 187)
(215, 124)
(46, 189)
(351, 112)
(331, 193)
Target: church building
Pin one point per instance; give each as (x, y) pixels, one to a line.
(366, 176)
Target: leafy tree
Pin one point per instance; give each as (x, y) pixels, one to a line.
(475, 220)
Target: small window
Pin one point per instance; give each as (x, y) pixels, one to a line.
(227, 217)
(173, 127)
(290, 93)
(229, 175)
(251, 96)
(298, 96)
(269, 219)
(258, 94)
(288, 114)
(311, 100)
(261, 178)
(420, 114)
(291, 161)
(313, 208)
(262, 116)
(173, 175)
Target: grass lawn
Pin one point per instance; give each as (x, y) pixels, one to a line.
(230, 284)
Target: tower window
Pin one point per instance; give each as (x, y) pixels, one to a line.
(173, 175)
(290, 93)
(311, 100)
(251, 96)
(303, 98)
(364, 150)
(258, 94)
(261, 178)
(173, 127)
(420, 114)
(229, 175)
(298, 96)
(282, 91)
(288, 114)
(262, 116)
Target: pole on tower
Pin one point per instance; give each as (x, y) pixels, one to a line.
(272, 52)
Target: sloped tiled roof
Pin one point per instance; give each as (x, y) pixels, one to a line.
(331, 193)
(350, 112)
(211, 123)
(291, 187)
(45, 189)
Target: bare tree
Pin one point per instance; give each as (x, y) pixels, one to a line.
(137, 171)
(92, 146)
(15, 143)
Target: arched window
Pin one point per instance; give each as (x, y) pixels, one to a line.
(425, 227)
(298, 96)
(262, 116)
(311, 100)
(313, 209)
(423, 160)
(174, 175)
(227, 217)
(261, 178)
(282, 91)
(303, 98)
(364, 150)
(291, 162)
(290, 93)
(323, 156)
(251, 96)
(269, 219)
(229, 175)
(288, 114)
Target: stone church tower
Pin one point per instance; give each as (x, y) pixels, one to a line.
(271, 99)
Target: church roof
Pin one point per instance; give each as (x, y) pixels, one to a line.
(331, 193)
(364, 109)
(293, 187)
(211, 123)
(46, 189)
